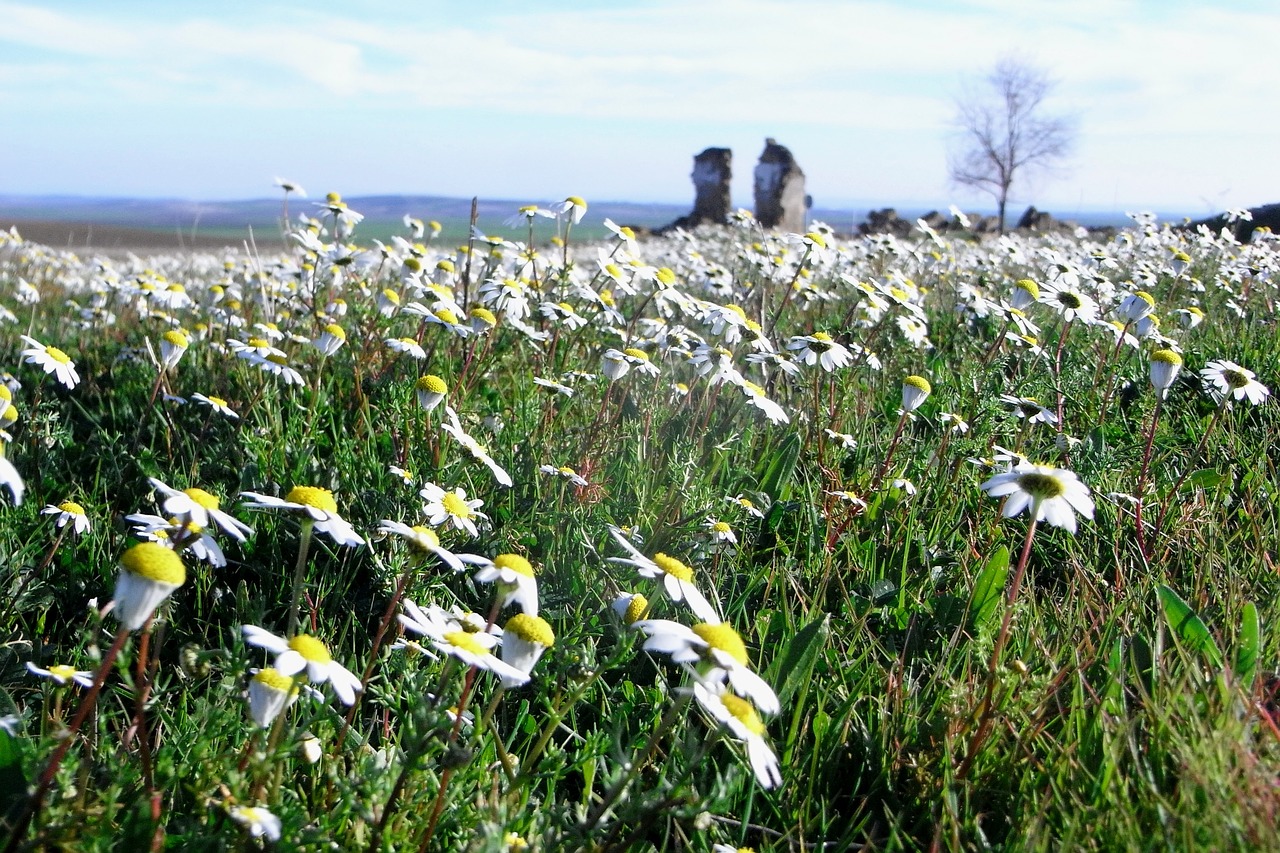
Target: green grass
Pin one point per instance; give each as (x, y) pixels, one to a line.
(1131, 705)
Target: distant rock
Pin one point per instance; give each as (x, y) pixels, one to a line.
(779, 190)
(1044, 222)
(712, 171)
(1266, 216)
(885, 221)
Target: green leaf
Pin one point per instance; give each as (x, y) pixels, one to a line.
(13, 784)
(1187, 627)
(778, 469)
(1250, 645)
(988, 590)
(1205, 478)
(802, 654)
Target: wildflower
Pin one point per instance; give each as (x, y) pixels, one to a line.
(574, 207)
(173, 345)
(475, 448)
(553, 386)
(61, 674)
(565, 472)
(278, 365)
(720, 531)
(717, 650)
(739, 716)
(756, 397)
(516, 581)
(845, 440)
(1165, 364)
(1135, 306)
(423, 541)
(453, 637)
(1054, 495)
(1190, 317)
(954, 422)
(915, 390)
(260, 822)
(1070, 301)
(218, 404)
(524, 638)
(631, 608)
(677, 578)
(408, 346)
(526, 214)
(51, 360)
(1227, 379)
(616, 364)
(315, 504)
(453, 507)
(482, 320)
(11, 479)
(149, 573)
(69, 512)
(330, 340)
(1029, 408)
(431, 391)
(304, 652)
(291, 187)
(200, 508)
(819, 348)
(270, 692)
(1025, 292)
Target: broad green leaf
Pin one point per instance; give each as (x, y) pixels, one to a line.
(1205, 478)
(1187, 627)
(775, 477)
(1250, 645)
(988, 590)
(801, 656)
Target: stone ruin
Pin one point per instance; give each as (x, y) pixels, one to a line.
(781, 202)
(779, 188)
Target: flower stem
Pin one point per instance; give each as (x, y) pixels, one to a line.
(1142, 485)
(295, 595)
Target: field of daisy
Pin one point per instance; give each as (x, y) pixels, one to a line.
(716, 541)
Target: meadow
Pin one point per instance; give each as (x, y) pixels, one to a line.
(717, 541)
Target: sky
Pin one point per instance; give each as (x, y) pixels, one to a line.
(540, 99)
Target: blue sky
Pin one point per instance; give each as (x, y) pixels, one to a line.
(537, 100)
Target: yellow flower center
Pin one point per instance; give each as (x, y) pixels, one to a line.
(1167, 356)
(391, 296)
(177, 338)
(484, 314)
(531, 629)
(424, 538)
(515, 563)
(217, 401)
(155, 562)
(1070, 300)
(466, 642)
(1235, 378)
(723, 638)
(336, 330)
(62, 671)
(447, 316)
(1030, 287)
(1041, 486)
(321, 499)
(259, 343)
(673, 567)
(433, 384)
(919, 382)
(271, 677)
(311, 649)
(720, 527)
(744, 712)
(636, 609)
(71, 507)
(201, 497)
(636, 353)
(455, 505)
(666, 276)
(57, 355)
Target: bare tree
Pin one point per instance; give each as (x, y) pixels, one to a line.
(1004, 132)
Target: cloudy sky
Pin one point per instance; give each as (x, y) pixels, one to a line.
(538, 99)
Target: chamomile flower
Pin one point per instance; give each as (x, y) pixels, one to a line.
(573, 208)
(218, 404)
(915, 390)
(475, 448)
(442, 507)
(200, 508)
(615, 363)
(820, 349)
(516, 581)
(1226, 379)
(1069, 300)
(423, 540)
(845, 440)
(330, 340)
(756, 397)
(431, 391)
(11, 479)
(739, 716)
(270, 692)
(51, 360)
(631, 607)
(474, 648)
(405, 475)
(1029, 408)
(69, 512)
(1025, 292)
(1135, 306)
(305, 652)
(677, 578)
(1165, 364)
(149, 573)
(173, 345)
(1053, 494)
(259, 822)
(316, 504)
(715, 652)
(407, 346)
(566, 473)
(720, 531)
(524, 638)
(62, 674)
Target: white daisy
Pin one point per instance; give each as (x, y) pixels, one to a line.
(677, 578)
(1054, 495)
(1227, 379)
(451, 507)
(306, 652)
(51, 360)
(316, 504)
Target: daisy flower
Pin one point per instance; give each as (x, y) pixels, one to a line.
(61, 674)
(259, 822)
(200, 508)
(631, 607)
(565, 472)
(1135, 306)
(330, 340)
(677, 578)
(218, 404)
(820, 349)
(845, 440)
(423, 540)
(149, 573)
(573, 207)
(431, 391)
(553, 386)
(756, 397)
(915, 390)
(51, 360)
(1226, 379)
(615, 363)
(316, 504)
(524, 638)
(270, 692)
(69, 512)
(739, 716)
(516, 581)
(11, 479)
(173, 345)
(1029, 408)
(720, 531)
(1165, 364)
(408, 346)
(452, 507)
(304, 652)
(1053, 494)
(475, 448)
(715, 651)
(745, 504)
(456, 639)
(1069, 301)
